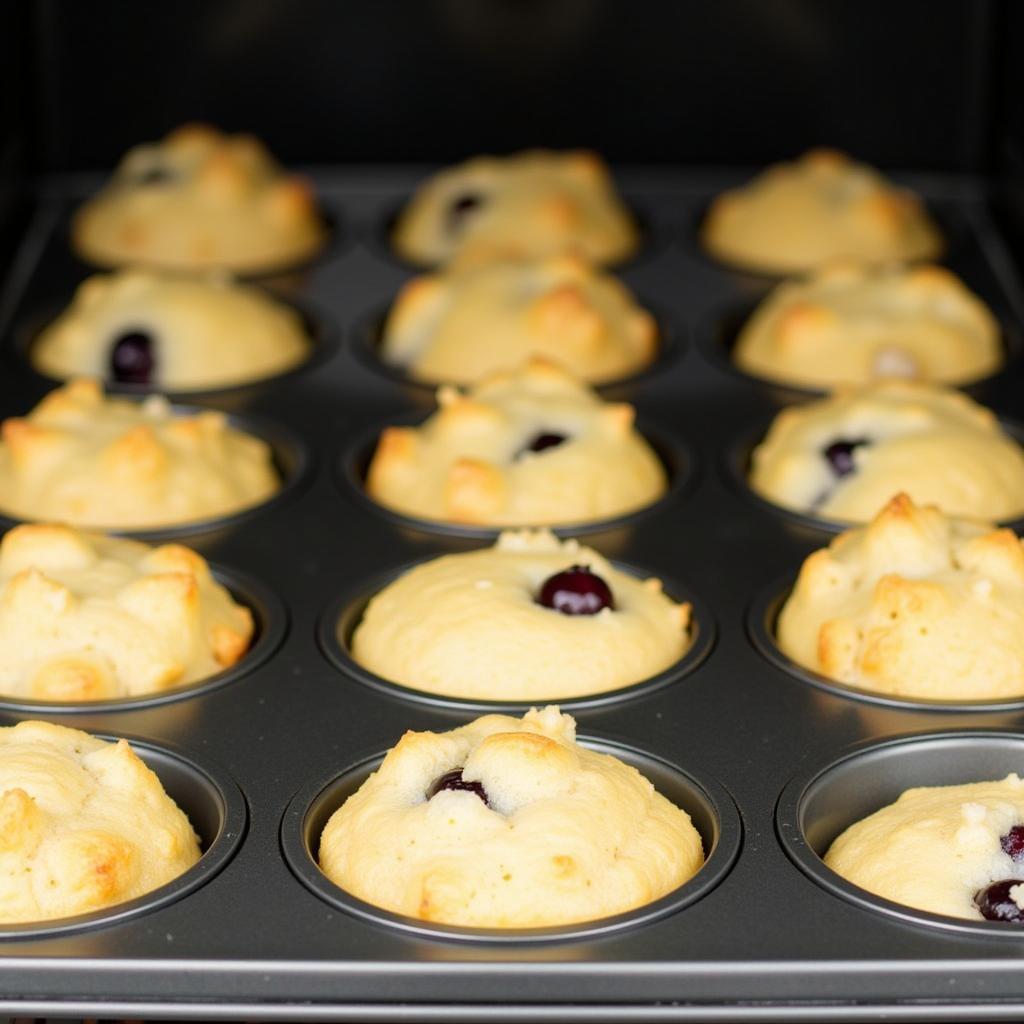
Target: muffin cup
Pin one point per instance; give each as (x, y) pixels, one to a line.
(953, 231)
(816, 807)
(341, 617)
(290, 458)
(271, 622)
(282, 274)
(736, 468)
(367, 336)
(718, 332)
(710, 807)
(651, 239)
(318, 327)
(353, 463)
(762, 619)
(215, 807)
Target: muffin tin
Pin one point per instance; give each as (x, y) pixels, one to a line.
(741, 740)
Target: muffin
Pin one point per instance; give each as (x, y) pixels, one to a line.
(535, 447)
(87, 617)
(532, 204)
(85, 459)
(86, 825)
(845, 456)
(848, 325)
(795, 216)
(460, 325)
(531, 618)
(915, 605)
(954, 850)
(173, 333)
(508, 823)
(197, 200)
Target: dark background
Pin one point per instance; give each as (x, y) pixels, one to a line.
(930, 85)
(903, 83)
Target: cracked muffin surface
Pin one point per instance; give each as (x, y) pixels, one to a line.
(916, 604)
(533, 204)
(109, 463)
(845, 456)
(533, 447)
(459, 326)
(849, 324)
(87, 617)
(508, 823)
(86, 824)
(200, 199)
(820, 207)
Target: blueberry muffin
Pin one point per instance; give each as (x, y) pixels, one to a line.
(197, 200)
(85, 459)
(845, 456)
(508, 823)
(87, 617)
(531, 618)
(535, 447)
(953, 850)
(532, 204)
(170, 332)
(462, 324)
(915, 605)
(824, 206)
(849, 325)
(86, 825)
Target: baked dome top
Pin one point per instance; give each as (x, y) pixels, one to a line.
(916, 604)
(823, 206)
(843, 457)
(86, 825)
(531, 618)
(198, 200)
(96, 461)
(508, 823)
(531, 447)
(88, 617)
(532, 204)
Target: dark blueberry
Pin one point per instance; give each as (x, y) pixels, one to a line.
(460, 207)
(840, 455)
(133, 358)
(155, 176)
(1013, 843)
(544, 441)
(576, 591)
(995, 904)
(454, 780)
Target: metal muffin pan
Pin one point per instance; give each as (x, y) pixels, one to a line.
(765, 943)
